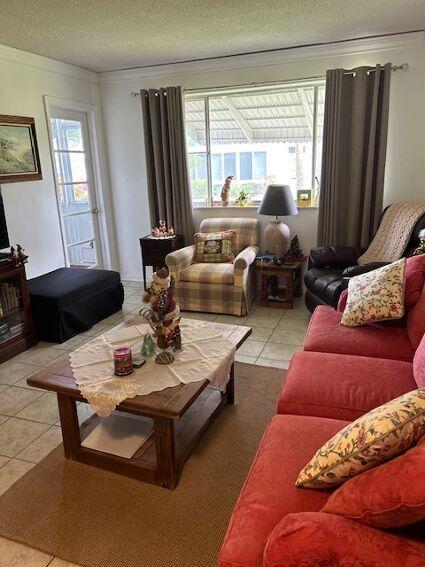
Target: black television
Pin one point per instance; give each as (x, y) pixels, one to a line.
(4, 235)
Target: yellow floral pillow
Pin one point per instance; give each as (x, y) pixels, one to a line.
(377, 436)
(376, 296)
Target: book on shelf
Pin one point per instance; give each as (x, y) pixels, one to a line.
(10, 296)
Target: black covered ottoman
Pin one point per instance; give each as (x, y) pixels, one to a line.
(67, 301)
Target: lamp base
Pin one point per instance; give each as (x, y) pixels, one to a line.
(276, 238)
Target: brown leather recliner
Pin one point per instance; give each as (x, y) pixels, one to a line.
(330, 268)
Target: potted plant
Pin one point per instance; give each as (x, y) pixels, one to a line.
(243, 198)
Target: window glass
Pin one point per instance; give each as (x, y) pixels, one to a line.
(245, 165)
(217, 167)
(229, 164)
(260, 163)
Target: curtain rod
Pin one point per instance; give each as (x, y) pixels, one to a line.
(402, 67)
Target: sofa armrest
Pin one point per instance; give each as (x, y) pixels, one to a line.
(318, 538)
(180, 259)
(331, 257)
(242, 262)
(360, 269)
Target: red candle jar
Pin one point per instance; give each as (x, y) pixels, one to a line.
(123, 361)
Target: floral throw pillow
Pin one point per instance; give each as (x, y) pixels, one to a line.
(377, 436)
(376, 296)
(214, 246)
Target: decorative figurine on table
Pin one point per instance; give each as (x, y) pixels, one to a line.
(163, 315)
(18, 255)
(225, 190)
(161, 231)
(148, 347)
(294, 253)
(421, 248)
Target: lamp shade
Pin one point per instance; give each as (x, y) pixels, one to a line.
(278, 201)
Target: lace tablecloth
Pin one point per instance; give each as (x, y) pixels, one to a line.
(206, 354)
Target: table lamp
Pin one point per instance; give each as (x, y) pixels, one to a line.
(277, 201)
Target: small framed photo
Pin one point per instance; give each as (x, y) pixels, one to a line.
(304, 197)
(19, 157)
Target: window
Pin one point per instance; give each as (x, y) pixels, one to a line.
(259, 135)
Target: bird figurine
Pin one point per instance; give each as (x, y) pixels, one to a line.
(225, 191)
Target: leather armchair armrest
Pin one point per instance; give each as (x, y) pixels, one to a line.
(331, 257)
(180, 259)
(360, 269)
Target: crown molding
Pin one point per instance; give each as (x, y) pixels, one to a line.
(278, 57)
(44, 63)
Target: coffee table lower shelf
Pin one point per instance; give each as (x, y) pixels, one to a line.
(161, 458)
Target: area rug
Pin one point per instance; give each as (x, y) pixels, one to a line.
(99, 519)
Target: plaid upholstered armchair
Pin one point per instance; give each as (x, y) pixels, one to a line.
(213, 287)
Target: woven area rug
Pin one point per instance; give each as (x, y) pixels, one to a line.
(99, 519)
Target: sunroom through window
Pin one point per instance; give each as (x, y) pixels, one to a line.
(260, 135)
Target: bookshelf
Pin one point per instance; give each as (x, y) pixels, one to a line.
(17, 332)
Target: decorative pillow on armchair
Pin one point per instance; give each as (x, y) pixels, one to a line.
(376, 296)
(376, 437)
(214, 246)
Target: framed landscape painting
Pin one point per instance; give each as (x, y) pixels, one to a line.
(19, 158)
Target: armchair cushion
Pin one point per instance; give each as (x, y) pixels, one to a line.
(215, 246)
(208, 273)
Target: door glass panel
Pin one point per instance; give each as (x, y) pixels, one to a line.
(70, 167)
(82, 255)
(74, 198)
(67, 135)
(78, 228)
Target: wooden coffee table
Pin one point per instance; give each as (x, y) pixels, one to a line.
(180, 417)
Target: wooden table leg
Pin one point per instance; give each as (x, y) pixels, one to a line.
(69, 424)
(298, 291)
(289, 289)
(231, 386)
(166, 467)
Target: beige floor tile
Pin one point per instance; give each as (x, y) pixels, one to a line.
(251, 348)
(135, 299)
(3, 418)
(60, 563)
(13, 554)
(246, 359)
(298, 324)
(288, 336)
(275, 351)
(12, 372)
(297, 315)
(42, 446)
(3, 387)
(41, 356)
(73, 343)
(3, 460)
(43, 410)
(16, 434)
(9, 474)
(231, 319)
(266, 322)
(268, 312)
(84, 412)
(260, 334)
(272, 363)
(13, 399)
(23, 383)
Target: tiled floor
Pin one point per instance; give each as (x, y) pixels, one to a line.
(29, 428)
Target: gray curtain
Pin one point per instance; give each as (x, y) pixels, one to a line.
(353, 159)
(166, 164)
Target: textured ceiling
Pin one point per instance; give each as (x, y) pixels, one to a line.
(105, 35)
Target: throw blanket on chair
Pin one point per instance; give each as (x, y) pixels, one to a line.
(393, 233)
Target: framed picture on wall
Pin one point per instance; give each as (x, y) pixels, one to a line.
(19, 158)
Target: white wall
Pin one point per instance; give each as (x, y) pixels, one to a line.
(31, 210)
(123, 124)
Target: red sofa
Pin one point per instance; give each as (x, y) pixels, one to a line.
(341, 374)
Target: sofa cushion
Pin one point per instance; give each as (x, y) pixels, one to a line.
(389, 496)
(269, 491)
(208, 273)
(342, 386)
(416, 321)
(325, 334)
(377, 436)
(419, 364)
(376, 296)
(316, 539)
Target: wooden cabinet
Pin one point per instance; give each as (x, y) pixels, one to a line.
(154, 251)
(17, 332)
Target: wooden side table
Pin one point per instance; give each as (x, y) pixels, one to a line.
(154, 251)
(272, 292)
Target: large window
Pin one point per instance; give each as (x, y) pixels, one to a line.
(259, 135)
